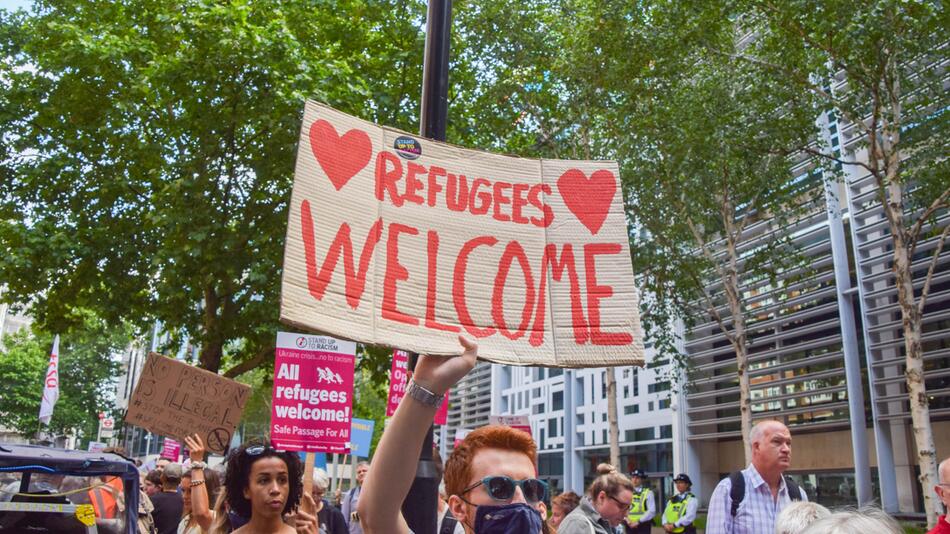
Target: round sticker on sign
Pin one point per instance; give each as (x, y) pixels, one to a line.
(407, 147)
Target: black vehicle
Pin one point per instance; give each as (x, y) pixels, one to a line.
(51, 490)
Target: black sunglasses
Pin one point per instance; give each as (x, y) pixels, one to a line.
(502, 488)
(257, 450)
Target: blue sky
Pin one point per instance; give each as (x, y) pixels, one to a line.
(10, 5)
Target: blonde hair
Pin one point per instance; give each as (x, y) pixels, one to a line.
(608, 480)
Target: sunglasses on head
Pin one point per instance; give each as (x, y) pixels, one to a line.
(502, 488)
(257, 450)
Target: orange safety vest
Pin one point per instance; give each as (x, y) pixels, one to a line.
(104, 499)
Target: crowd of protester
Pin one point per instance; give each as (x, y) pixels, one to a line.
(489, 485)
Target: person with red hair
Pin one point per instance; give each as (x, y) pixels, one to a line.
(490, 477)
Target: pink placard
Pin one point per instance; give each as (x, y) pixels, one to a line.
(313, 393)
(443, 412)
(397, 380)
(171, 449)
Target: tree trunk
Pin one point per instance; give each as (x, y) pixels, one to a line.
(613, 428)
(730, 285)
(212, 345)
(745, 406)
(916, 389)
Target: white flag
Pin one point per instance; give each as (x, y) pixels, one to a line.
(50, 385)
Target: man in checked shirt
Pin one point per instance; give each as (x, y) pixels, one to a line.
(766, 491)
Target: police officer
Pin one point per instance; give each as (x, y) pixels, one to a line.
(681, 509)
(642, 506)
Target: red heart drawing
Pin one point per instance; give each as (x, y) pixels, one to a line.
(340, 157)
(589, 199)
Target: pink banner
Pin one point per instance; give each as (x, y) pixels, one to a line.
(171, 449)
(398, 378)
(313, 393)
(443, 412)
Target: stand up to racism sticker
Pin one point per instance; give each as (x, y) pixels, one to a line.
(406, 242)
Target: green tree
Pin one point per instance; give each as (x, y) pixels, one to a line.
(876, 68)
(148, 152)
(87, 371)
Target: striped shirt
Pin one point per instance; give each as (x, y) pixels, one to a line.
(757, 511)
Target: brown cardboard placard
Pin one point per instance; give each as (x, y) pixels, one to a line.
(398, 240)
(175, 399)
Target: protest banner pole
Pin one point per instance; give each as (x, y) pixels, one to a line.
(332, 473)
(420, 508)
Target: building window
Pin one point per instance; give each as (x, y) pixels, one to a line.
(664, 404)
(640, 434)
(552, 428)
(555, 372)
(632, 409)
(557, 400)
(650, 406)
(657, 387)
(666, 431)
(636, 381)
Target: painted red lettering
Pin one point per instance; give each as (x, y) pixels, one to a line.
(458, 287)
(534, 198)
(519, 201)
(596, 292)
(513, 251)
(413, 184)
(434, 185)
(317, 281)
(500, 200)
(386, 179)
(483, 196)
(456, 193)
(394, 273)
(549, 260)
(433, 250)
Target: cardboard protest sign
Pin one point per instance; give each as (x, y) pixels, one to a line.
(406, 242)
(175, 399)
(399, 379)
(313, 393)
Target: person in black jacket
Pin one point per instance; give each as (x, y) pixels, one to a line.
(168, 504)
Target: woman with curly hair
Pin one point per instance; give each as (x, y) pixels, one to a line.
(263, 484)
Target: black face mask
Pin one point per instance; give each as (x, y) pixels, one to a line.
(515, 518)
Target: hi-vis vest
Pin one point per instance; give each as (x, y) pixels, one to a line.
(675, 509)
(638, 505)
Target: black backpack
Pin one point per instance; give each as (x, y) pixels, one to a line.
(738, 490)
(448, 524)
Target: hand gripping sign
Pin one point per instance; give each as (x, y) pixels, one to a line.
(399, 380)
(406, 242)
(312, 407)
